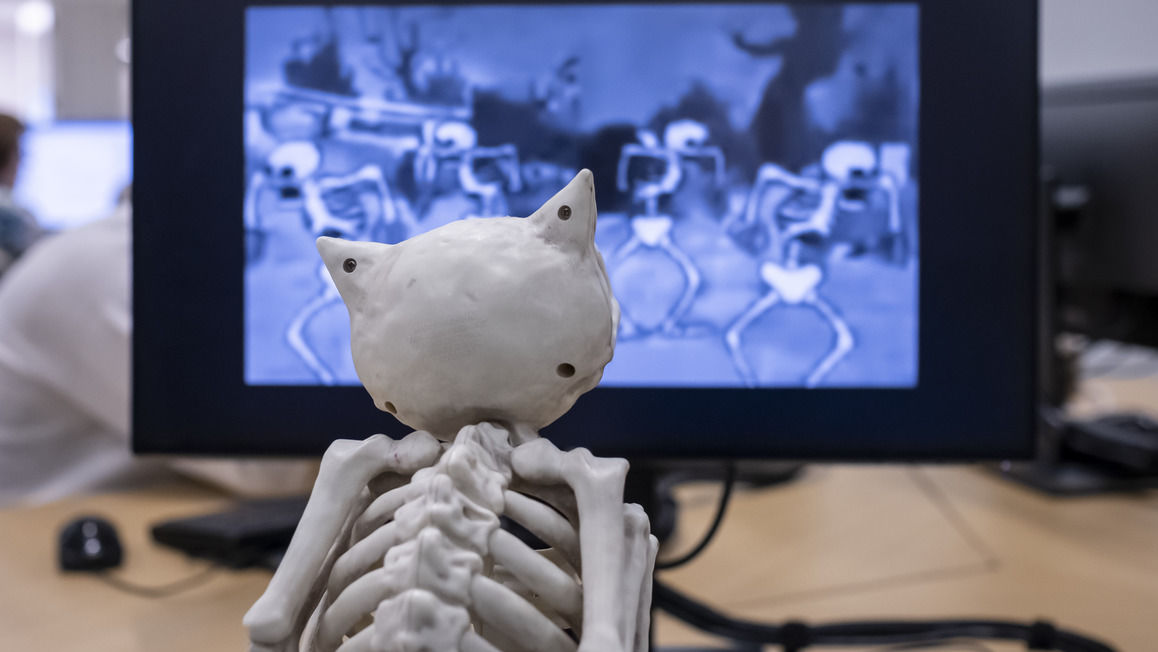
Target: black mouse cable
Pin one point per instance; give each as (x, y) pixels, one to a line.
(160, 590)
(729, 483)
(794, 636)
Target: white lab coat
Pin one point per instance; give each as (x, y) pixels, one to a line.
(65, 326)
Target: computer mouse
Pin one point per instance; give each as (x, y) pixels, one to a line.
(89, 543)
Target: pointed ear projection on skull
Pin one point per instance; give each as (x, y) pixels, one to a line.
(567, 220)
(350, 263)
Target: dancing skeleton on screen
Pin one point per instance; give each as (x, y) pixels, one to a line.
(457, 143)
(358, 205)
(848, 168)
(682, 140)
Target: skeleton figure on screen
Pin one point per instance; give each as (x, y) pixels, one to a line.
(478, 333)
(682, 140)
(456, 143)
(868, 197)
(358, 205)
(796, 209)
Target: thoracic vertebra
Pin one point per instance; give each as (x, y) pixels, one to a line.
(437, 543)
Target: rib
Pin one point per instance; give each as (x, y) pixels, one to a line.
(546, 523)
(521, 622)
(556, 588)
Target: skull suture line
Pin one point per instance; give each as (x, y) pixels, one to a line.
(477, 333)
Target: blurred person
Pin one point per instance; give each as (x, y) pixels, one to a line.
(65, 331)
(18, 228)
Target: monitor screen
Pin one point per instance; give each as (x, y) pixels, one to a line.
(73, 172)
(819, 217)
(750, 243)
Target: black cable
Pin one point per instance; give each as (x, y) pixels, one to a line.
(161, 590)
(976, 646)
(901, 634)
(725, 498)
(799, 635)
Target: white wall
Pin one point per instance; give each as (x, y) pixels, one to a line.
(1083, 40)
(91, 82)
(26, 69)
(71, 72)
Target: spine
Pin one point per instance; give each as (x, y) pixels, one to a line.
(448, 525)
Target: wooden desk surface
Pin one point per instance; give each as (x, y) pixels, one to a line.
(841, 543)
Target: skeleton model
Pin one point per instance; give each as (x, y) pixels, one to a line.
(845, 164)
(457, 143)
(683, 139)
(477, 333)
(358, 205)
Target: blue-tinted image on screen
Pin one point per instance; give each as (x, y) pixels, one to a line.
(755, 170)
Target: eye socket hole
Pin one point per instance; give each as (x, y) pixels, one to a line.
(564, 212)
(349, 265)
(565, 370)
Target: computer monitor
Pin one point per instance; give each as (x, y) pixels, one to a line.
(818, 217)
(1100, 151)
(73, 172)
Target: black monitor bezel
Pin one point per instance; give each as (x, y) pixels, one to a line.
(977, 389)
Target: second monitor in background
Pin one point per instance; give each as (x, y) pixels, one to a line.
(74, 172)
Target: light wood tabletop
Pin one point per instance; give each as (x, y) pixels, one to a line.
(842, 542)
(888, 542)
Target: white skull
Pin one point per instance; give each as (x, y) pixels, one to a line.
(501, 319)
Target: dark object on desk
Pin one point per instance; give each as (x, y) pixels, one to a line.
(252, 533)
(89, 543)
(1126, 440)
(1116, 452)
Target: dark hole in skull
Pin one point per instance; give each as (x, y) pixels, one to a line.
(390, 407)
(565, 370)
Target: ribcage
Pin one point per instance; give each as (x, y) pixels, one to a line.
(425, 565)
